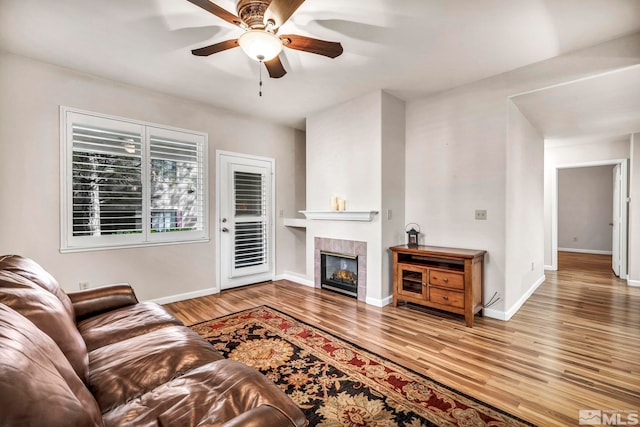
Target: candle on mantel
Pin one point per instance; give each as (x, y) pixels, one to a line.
(341, 204)
(334, 203)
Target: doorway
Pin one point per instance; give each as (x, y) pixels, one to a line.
(618, 222)
(244, 219)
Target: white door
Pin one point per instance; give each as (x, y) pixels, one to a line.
(245, 219)
(616, 221)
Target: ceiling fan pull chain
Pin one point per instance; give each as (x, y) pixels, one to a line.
(260, 67)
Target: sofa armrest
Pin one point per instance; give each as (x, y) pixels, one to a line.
(262, 416)
(92, 302)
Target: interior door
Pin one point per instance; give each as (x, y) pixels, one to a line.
(616, 221)
(245, 219)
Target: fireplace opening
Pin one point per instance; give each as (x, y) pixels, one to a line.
(339, 273)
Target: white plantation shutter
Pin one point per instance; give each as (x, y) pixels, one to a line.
(176, 182)
(106, 181)
(251, 222)
(250, 209)
(127, 183)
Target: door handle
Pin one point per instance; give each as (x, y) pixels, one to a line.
(225, 230)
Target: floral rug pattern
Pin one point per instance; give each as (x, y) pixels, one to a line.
(339, 384)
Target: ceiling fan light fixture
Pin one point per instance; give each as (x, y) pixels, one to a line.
(260, 45)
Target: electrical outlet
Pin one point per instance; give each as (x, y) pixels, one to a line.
(481, 214)
(83, 285)
(389, 214)
(281, 213)
(533, 265)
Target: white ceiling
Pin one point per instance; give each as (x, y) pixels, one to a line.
(410, 48)
(596, 107)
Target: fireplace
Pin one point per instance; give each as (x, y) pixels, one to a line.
(353, 250)
(339, 273)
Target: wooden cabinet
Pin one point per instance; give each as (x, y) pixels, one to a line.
(448, 279)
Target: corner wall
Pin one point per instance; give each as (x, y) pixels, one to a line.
(393, 185)
(456, 163)
(524, 207)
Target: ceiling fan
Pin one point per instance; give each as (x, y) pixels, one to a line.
(261, 20)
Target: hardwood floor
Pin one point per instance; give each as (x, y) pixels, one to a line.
(575, 344)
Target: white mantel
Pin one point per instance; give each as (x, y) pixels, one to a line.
(340, 215)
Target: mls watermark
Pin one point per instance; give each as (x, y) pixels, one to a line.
(608, 417)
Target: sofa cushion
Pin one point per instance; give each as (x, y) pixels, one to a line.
(130, 368)
(31, 270)
(38, 386)
(210, 395)
(124, 323)
(31, 291)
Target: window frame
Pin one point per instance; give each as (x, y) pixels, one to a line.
(71, 243)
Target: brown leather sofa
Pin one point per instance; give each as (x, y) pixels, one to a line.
(100, 357)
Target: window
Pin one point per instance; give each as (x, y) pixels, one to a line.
(128, 183)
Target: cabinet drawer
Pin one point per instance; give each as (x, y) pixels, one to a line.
(447, 279)
(446, 297)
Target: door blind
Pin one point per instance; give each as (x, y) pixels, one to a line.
(250, 194)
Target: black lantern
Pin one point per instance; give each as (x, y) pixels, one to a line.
(412, 234)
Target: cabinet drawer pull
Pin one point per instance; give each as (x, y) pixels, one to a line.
(446, 297)
(445, 280)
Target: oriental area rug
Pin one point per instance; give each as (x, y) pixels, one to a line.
(336, 383)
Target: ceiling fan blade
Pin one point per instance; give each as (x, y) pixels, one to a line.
(215, 48)
(308, 44)
(218, 11)
(281, 10)
(275, 68)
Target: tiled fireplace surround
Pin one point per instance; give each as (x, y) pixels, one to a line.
(348, 247)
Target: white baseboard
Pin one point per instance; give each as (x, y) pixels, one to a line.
(633, 282)
(295, 277)
(550, 268)
(379, 302)
(584, 251)
(494, 314)
(506, 315)
(187, 295)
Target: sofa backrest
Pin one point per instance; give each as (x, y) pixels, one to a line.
(28, 289)
(38, 386)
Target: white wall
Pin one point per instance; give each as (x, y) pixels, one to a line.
(293, 240)
(343, 160)
(559, 153)
(585, 209)
(524, 207)
(345, 149)
(634, 212)
(393, 185)
(456, 161)
(30, 165)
